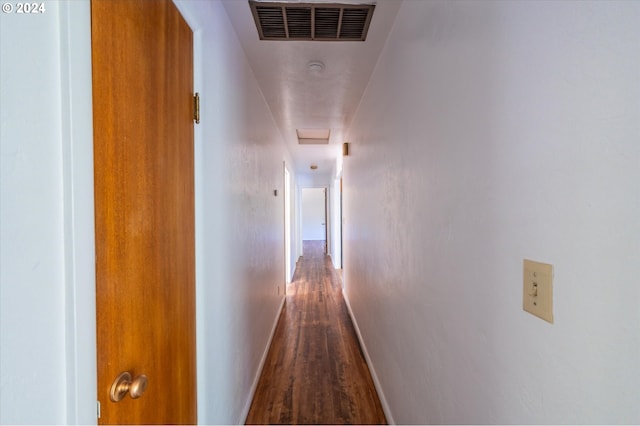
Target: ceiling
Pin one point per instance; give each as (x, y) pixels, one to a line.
(301, 97)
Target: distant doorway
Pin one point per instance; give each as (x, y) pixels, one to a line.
(314, 215)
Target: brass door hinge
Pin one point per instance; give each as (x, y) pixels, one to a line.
(196, 108)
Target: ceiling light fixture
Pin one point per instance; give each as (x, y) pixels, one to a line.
(314, 167)
(315, 66)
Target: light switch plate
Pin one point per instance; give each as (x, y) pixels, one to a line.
(537, 294)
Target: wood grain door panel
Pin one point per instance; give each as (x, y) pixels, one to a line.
(144, 199)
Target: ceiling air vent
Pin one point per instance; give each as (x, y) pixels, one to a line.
(311, 21)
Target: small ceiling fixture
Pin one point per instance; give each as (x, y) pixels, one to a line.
(315, 66)
(314, 167)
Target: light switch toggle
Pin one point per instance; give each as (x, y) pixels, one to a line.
(537, 294)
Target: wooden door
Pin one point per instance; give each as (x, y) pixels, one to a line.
(144, 200)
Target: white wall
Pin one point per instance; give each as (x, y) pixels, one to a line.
(491, 132)
(47, 277)
(313, 180)
(239, 224)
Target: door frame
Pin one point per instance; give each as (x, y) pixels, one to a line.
(326, 220)
(76, 114)
(287, 227)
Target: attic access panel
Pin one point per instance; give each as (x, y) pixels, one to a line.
(311, 21)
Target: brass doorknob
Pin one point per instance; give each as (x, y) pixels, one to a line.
(123, 384)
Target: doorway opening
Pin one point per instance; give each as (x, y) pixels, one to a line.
(314, 215)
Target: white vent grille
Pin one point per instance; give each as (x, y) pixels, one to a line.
(311, 21)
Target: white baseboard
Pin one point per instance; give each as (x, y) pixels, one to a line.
(374, 376)
(256, 379)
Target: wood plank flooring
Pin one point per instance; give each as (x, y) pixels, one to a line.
(315, 372)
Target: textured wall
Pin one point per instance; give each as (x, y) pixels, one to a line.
(491, 132)
(31, 203)
(240, 223)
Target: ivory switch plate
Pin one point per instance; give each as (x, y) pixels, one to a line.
(537, 295)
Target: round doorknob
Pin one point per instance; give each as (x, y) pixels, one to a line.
(123, 384)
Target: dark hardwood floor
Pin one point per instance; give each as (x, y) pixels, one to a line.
(315, 372)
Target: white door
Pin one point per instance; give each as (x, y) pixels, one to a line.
(313, 214)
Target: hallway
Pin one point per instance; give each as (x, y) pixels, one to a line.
(458, 141)
(315, 372)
